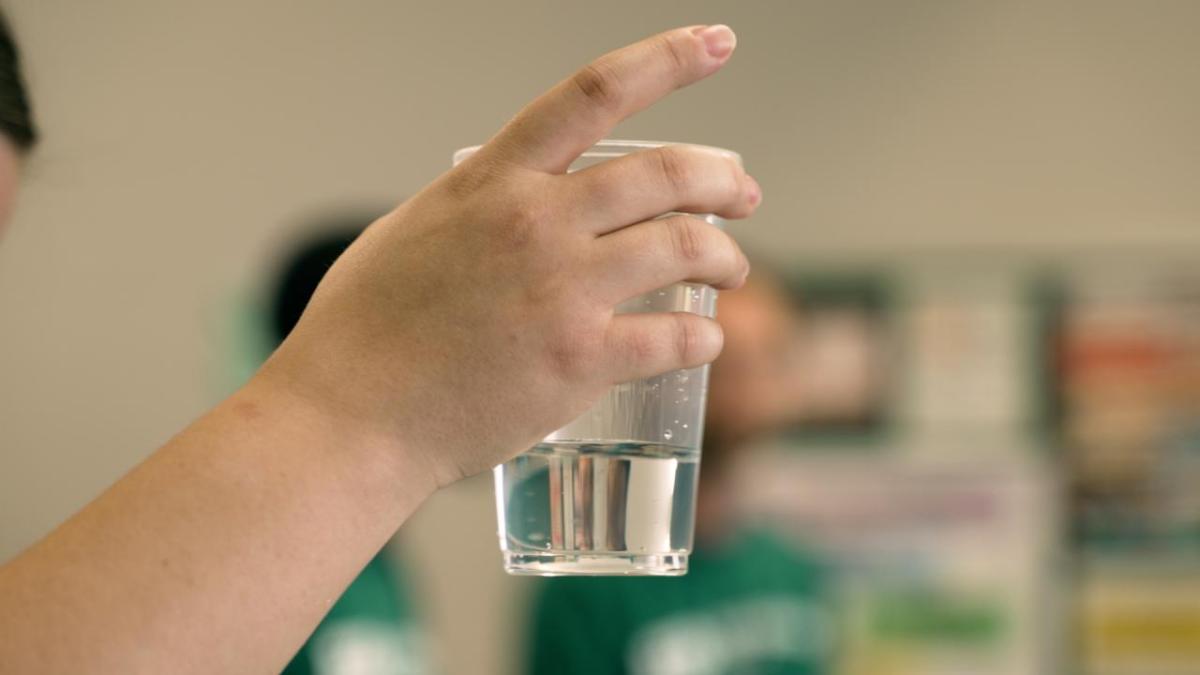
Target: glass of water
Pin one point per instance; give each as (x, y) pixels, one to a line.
(614, 491)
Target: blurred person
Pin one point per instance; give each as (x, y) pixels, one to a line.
(371, 629)
(750, 602)
(17, 128)
(458, 330)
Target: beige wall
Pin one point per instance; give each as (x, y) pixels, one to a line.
(185, 140)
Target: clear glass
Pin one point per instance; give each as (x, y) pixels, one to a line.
(614, 491)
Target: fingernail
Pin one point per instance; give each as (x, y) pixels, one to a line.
(755, 191)
(719, 40)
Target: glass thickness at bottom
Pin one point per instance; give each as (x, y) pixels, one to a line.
(555, 564)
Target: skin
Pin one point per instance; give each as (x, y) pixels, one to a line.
(755, 389)
(221, 552)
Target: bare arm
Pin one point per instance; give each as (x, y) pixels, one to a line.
(457, 330)
(220, 553)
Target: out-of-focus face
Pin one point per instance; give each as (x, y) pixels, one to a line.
(756, 386)
(9, 163)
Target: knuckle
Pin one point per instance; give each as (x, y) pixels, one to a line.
(673, 167)
(687, 239)
(731, 256)
(530, 212)
(527, 220)
(468, 179)
(603, 187)
(520, 229)
(521, 234)
(599, 86)
(687, 338)
(565, 358)
(574, 349)
(735, 176)
(673, 51)
(642, 347)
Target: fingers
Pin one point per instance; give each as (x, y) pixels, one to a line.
(559, 125)
(656, 253)
(643, 185)
(644, 345)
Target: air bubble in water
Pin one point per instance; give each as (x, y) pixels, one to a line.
(667, 434)
(685, 426)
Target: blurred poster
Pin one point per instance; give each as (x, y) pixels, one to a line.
(941, 564)
(1125, 391)
(964, 363)
(1142, 619)
(1123, 394)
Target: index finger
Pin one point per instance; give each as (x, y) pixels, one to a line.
(559, 125)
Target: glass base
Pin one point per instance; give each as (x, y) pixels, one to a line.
(560, 564)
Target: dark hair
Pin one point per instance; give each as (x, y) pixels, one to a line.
(16, 118)
(302, 270)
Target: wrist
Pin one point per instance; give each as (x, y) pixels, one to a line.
(373, 455)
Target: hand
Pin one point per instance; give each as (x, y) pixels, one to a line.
(477, 317)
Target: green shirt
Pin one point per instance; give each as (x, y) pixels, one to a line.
(754, 607)
(368, 631)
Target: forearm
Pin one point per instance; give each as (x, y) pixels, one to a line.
(220, 553)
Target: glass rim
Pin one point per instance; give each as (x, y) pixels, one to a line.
(613, 147)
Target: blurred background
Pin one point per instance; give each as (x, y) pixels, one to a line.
(984, 217)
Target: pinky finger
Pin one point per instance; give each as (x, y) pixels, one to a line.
(644, 345)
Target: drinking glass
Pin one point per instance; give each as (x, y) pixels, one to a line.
(614, 491)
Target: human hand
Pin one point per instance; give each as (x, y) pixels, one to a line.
(478, 316)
